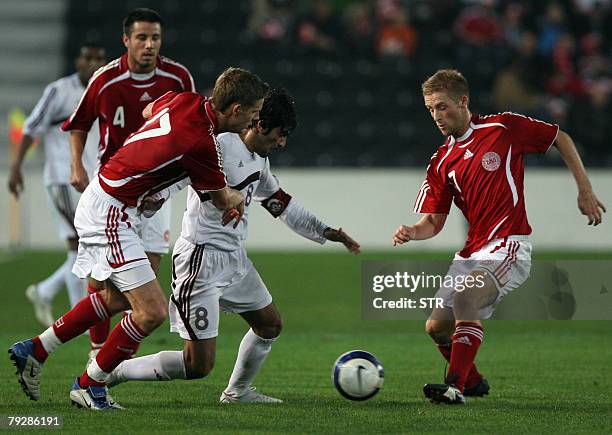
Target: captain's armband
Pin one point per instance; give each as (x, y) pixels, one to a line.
(277, 203)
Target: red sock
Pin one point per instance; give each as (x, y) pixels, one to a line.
(473, 375)
(88, 311)
(122, 343)
(39, 352)
(466, 341)
(99, 332)
(445, 350)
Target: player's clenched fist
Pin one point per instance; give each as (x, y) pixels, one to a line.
(78, 177)
(404, 234)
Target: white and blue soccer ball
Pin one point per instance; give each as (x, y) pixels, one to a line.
(358, 375)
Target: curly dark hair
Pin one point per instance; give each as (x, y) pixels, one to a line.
(278, 110)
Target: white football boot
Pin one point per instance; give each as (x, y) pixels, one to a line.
(250, 395)
(42, 307)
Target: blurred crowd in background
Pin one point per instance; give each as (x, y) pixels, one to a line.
(355, 67)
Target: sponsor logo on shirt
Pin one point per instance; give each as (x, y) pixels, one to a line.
(145, 97)
(491, 161)
(468, 154)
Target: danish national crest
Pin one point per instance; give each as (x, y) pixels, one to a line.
(491, 161)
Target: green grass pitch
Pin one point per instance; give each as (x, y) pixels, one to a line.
(545, 376)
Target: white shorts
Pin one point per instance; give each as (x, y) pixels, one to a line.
(205, 279)
(155, 231)
(506, 261)
(109, 247)
(63, 199)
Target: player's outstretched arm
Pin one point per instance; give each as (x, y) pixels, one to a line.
(426, 228)
(78, 174)
(301, 221)
(588, 203)
(15, 181)
(340, 236)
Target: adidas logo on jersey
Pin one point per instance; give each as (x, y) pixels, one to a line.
(145, 97)
(468, 154)
(240, 164)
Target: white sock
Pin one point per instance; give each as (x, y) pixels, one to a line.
(49, 340)
(75, 285)
(162, 366)
(51, 286)
(252, 353)
(95, 372)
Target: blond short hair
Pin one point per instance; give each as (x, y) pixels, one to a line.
(237, 85)
(449, 81)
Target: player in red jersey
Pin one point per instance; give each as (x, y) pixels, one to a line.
(480, 168)
(118, 92)
(176, 147)
(116, 96)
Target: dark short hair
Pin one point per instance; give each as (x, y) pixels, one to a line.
(237, 85)
(278, 110)
(140, 14)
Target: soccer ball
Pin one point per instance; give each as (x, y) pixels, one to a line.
(358, 375)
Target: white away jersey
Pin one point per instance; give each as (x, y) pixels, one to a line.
(246, 172)
(56, 104)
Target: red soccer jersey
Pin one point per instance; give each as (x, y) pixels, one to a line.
(482, 172)
(117, 98)
(177, 142)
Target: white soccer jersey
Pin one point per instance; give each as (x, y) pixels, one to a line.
(56, 104)
(245, 171)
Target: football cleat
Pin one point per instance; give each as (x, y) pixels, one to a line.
(249, 396)
(42, 307)
(478, 390)
(28, 368)
(443, 393)
(94, 398)
(92, 355)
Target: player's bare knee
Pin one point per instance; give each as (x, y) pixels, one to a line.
(152, 316)
(158, 314)
(115, 301)
(197, 369)
(269, 331)
(438, 330)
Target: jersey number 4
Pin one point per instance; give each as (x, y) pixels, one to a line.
(119, 118)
